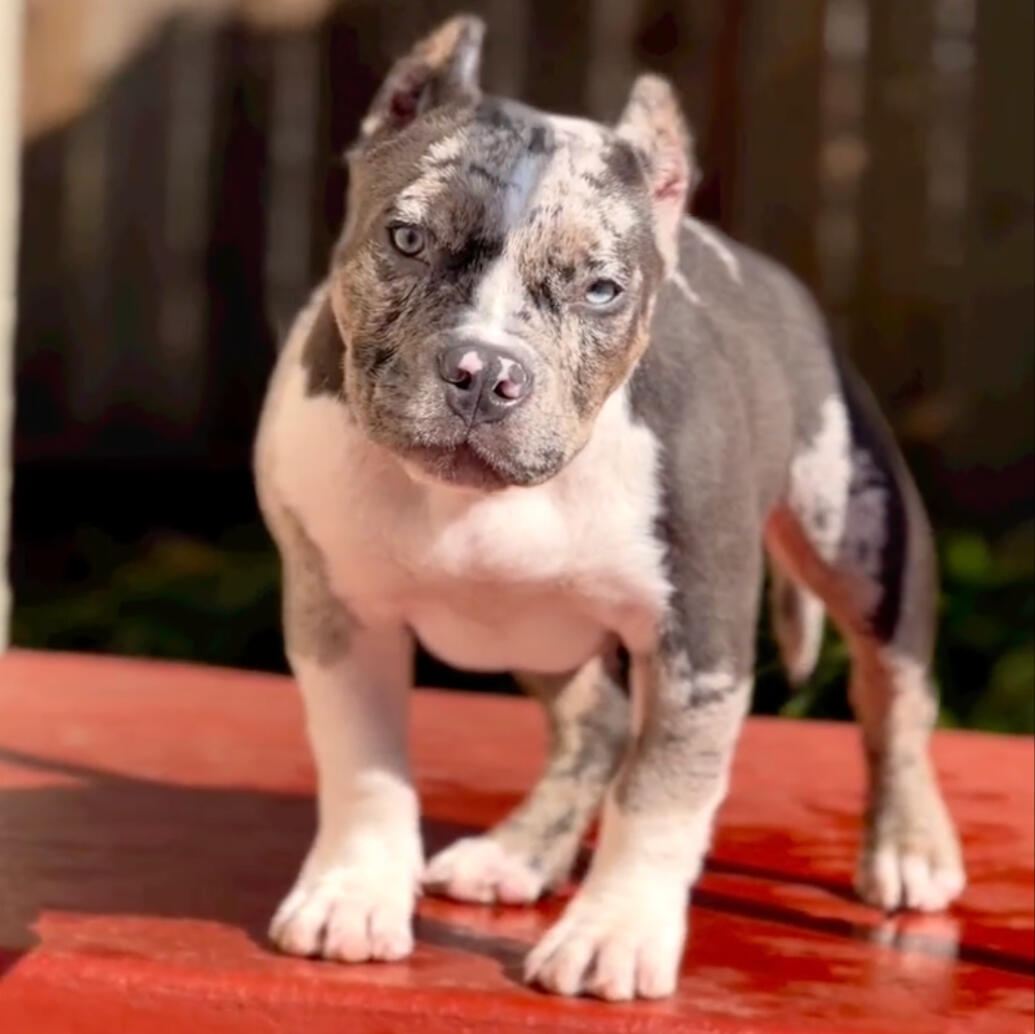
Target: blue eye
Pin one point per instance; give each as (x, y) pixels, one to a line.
(602, 292)
(407, 239)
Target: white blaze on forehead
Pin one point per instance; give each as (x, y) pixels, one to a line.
(520, 189)
(711, 239)
(559, 183)
(501, 290)
(497, 297)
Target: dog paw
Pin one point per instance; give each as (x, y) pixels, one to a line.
(482, 869)
(613, 945)
(912, 865)
(349, 913)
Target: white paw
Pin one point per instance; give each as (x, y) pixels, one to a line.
(349, 912)
(616, 944)
(912, 858)
(481, 869)
(893, 877)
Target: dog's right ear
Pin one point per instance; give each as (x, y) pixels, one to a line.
(440, 69)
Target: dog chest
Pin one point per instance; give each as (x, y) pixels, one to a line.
(531, 578)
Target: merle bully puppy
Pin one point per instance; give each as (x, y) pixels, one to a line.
(539, 420)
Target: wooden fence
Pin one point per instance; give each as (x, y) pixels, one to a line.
(881, 148)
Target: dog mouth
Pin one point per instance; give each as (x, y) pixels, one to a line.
(464, 465)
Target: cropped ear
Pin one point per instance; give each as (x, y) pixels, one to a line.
(443, 67)
(653, 123)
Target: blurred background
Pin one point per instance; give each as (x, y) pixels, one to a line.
(182, 185)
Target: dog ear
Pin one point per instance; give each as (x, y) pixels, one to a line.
(653, 123)
(442, 68)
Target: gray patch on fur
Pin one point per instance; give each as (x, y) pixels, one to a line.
(323, 356)
(547, 827)
(317, 625)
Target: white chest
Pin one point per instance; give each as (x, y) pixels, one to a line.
(531, 578)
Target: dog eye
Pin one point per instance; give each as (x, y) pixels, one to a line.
(406, 239)
(602, 292)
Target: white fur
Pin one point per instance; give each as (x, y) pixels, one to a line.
(353, 898)
(711, 239)
(581, 130)
(500, 293)
(677, 277)
(446, 149)
(821, 472)
(413, 203)
(622, 935)
(482, 869)
(716, 681)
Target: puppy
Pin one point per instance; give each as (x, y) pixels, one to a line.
(539, 420)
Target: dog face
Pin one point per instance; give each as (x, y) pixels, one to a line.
(496, 275)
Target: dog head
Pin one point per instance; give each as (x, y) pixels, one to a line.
(496, 275)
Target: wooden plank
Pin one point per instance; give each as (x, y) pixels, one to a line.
(695, 44)
(43, 324)
(989, 363)
(240, 342)
(775, 203)
(351, 65)
(894, 320)
(559, 54)
(151, 814)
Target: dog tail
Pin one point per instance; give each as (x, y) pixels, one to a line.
(798, 618)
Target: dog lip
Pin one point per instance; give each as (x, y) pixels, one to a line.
(461, 464)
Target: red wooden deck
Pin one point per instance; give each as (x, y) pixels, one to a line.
(152, 814)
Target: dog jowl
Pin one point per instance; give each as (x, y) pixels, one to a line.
(539, 420)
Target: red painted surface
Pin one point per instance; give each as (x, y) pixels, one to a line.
(151, 815)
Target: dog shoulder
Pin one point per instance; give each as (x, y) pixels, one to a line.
(306, 378)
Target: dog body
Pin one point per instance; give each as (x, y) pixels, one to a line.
(540, 421)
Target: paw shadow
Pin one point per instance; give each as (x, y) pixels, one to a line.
(131, 847)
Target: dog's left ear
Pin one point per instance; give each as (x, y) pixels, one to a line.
(653, 123)
(442, 68)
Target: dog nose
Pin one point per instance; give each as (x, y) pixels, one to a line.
(483, 383)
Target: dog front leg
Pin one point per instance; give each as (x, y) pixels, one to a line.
(622, 935)
(354, 897)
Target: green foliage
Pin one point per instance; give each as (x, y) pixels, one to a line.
(172, 597)
(184, 598)
(986, 661)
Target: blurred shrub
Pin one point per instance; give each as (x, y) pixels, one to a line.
(218, 602)
(171, 596)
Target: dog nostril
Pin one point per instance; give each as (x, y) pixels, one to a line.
(508, 389)
(512, 382)
(462, 379)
